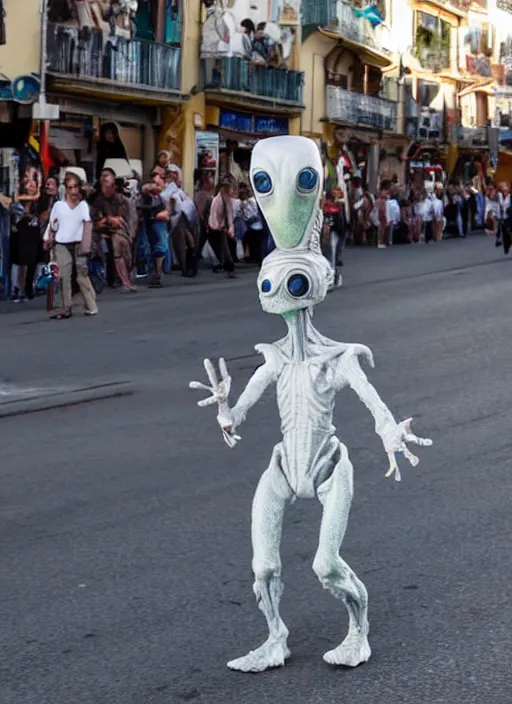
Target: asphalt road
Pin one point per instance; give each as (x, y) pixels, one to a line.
(124, 524)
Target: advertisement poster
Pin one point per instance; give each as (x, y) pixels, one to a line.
(207, 153)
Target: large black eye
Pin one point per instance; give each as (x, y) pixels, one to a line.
(298, 285)
(307, 180)
(262, 182)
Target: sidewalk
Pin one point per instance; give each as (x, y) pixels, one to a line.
(175, 284)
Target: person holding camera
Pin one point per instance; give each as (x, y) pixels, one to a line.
(111, 217)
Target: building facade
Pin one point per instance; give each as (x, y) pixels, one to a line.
(250, 84)
(114, 70)
(352, 91)
(382, 84)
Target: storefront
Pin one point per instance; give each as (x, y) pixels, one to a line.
(78, 137)
(231, 135)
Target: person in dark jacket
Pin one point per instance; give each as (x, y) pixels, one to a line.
(334, 232)
(110, 146)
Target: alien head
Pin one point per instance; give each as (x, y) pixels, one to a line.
(287, 180)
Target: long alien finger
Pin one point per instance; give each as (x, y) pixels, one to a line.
(207, 402)
(199, 385)
(412, 458)
(224, 374)
(423, 442)
(393, 466)
(212, 374)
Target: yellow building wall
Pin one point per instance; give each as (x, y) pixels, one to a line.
(190, 42)
(312, 57)
(20, 56)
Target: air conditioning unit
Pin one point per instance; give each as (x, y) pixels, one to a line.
(429, 125)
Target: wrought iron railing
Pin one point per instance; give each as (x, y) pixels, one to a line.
(237, 74)
(339, 17)
(358, 109)
(93, 55)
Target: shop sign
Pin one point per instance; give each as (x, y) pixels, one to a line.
(23, 90)
(253, 124)
(207, 152)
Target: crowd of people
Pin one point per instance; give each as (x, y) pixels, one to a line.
(84, 238)
(403, 215)
(73, 237)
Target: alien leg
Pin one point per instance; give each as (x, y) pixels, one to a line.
(335, 494)
(269, 503)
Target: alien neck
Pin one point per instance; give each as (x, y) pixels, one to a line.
(297, 322)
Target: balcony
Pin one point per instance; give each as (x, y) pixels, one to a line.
(241, 76)
(92, 57)
(358, 109)
(338, 17)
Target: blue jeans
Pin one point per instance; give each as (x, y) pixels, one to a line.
(153, 243)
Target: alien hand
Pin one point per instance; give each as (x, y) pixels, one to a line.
(219, 394)
(394, 441)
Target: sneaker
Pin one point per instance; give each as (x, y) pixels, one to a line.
(91, 312)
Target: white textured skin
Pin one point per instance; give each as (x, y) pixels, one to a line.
(308, 370)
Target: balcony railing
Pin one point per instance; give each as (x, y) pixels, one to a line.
(338, 16)
(358, 109)
(240, 75)
(93, 56)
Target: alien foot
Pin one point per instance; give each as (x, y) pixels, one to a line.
(271, 654)
(354, 650)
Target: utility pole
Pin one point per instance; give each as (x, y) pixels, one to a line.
(42, 111)
(43, 8)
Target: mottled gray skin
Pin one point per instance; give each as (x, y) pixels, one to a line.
(308, 370)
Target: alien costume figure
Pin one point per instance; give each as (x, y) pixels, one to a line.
(308, 369)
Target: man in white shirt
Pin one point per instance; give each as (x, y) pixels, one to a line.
(71, 232)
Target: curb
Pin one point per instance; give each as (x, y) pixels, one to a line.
(61, 399)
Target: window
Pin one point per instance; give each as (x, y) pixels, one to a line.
(432, 41)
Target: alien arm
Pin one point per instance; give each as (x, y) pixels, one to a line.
(349, 371)
(256, 386)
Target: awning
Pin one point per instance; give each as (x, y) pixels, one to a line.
(487, 87)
